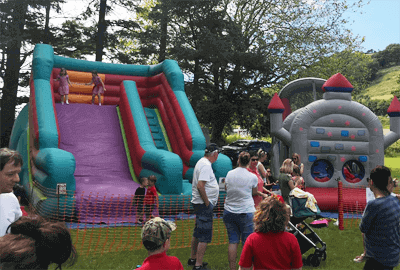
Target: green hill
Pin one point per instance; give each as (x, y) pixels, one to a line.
(384, 84)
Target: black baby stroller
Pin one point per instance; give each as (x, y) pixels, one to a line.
(305, 235)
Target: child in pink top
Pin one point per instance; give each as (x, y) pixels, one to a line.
(98, 88)
(63, 89)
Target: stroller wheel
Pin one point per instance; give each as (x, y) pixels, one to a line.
(324, 256)
(313, 260)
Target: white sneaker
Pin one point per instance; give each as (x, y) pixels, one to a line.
(62, 102)
(99, 104)
(67, 102)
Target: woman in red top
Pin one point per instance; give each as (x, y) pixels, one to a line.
(260, 187)
(280, 249)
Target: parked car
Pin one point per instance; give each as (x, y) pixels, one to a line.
(233, 150)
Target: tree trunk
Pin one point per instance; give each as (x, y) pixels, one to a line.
(101, 31)
(218, 123)
(46, 38)
(11, 75)
(164, 29)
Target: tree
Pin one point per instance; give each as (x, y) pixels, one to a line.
(354, 65)
(84, 35)
(231, 49)
(101, 30)
(389, 56)
(21, 27)
(12, 53)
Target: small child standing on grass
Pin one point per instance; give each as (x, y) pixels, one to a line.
(98, 88)
(139, 197)
(63, 89)
(151, 197)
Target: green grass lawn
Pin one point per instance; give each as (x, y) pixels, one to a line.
(385, 83)
(342, 246)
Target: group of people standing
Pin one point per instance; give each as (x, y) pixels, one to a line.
(249, 210)
(257, 219)
(252, 215)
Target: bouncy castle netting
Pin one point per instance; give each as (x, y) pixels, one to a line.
(99, 225)
(351, 204)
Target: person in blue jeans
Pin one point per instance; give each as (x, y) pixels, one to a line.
(241, 186)
(380, 223)
(205, 192)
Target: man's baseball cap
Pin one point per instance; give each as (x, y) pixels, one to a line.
(157, 230)
(212, 147)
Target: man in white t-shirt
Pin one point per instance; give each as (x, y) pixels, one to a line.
(205, 192)
(10, 167)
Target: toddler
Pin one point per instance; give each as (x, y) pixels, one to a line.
(98, 88)
(151, 197)
(63, 89)
(139, 197)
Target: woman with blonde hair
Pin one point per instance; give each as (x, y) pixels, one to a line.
(296, 160)
(285, 178)
(280, 249)
(252, 167)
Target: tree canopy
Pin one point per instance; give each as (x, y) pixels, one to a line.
(229, 50)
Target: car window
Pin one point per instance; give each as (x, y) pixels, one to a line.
(239, 143)
(255, 146)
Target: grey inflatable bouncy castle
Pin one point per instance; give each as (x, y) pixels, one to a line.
(334, 136)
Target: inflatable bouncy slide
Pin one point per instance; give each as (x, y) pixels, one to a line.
(85, 160)
(336, 138)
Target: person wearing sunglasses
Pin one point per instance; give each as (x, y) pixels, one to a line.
(252, 167)
(270, 180)
(296, 160)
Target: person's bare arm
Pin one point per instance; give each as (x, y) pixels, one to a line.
(254, 191)
(104, 87)
(301, 168)
(291, 185)
(89, 83)
(201, 187)
(266, 191)
(262, 170)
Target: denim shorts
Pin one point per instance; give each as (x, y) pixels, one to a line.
(239, 226)
(204, 222)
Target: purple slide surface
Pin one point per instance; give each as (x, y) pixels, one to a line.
(104, 186)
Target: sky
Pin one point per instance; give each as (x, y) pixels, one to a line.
(379, 23)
